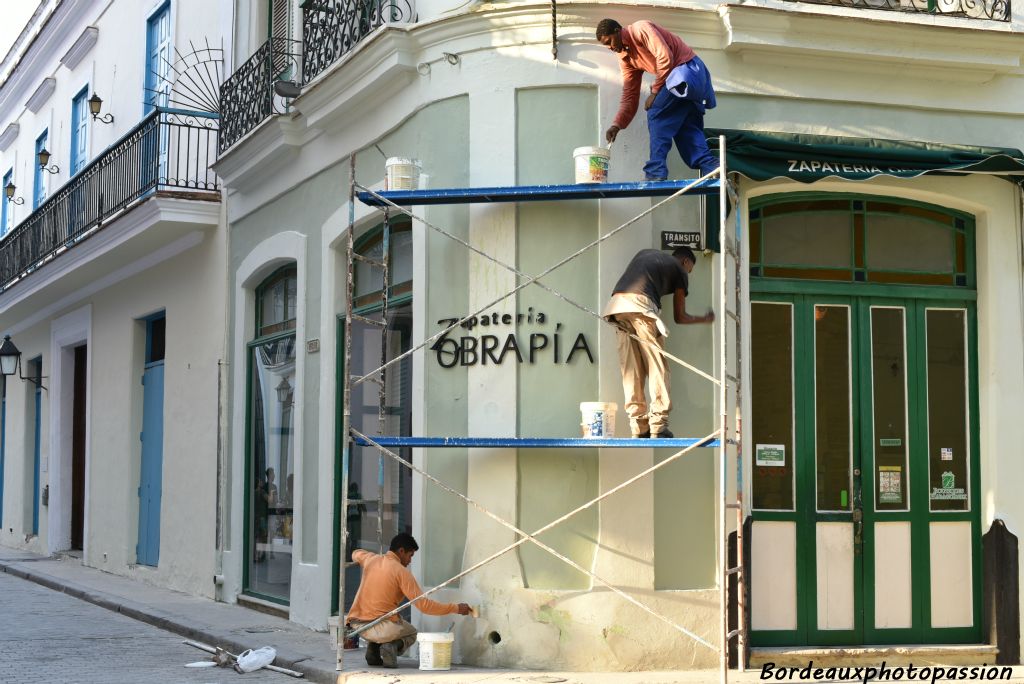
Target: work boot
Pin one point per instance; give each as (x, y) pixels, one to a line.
(664, 434)
(642, 435)
(389, 653)
(373, 654)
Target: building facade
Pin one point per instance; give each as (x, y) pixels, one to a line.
(882, 321)
(112, 287)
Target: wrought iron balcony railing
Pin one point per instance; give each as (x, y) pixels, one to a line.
(995, 10)
(247, 96)
(168, 150)
(331, 28)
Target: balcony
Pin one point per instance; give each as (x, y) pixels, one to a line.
(168, 152)
(994, 10)
(331, 28)
(247, 97)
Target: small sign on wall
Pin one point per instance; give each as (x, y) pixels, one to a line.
(674, 239)
(773, 455)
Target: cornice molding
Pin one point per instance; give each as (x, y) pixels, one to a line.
(42, 94)
(869, 44)
(9, 135)
(39, 60)
(80, 48)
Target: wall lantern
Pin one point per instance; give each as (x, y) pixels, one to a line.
(284, 392)
(9, 191)
(43, 157)
(10, 361)
(95, 104)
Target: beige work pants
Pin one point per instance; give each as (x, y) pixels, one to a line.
(641, 364)
(387, 631)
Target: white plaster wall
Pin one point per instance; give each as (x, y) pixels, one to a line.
(109, 322)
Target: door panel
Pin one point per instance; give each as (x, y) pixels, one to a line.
(835, 576)
(151, 477)
(893, 597)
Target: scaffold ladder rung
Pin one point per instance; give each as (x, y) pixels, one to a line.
(368, 260)
(369, 321)
(732, 378)
(733, 315)
(733, 506)
(734, 570)
(732, 633)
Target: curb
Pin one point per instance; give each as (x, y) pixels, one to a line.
(165, 621)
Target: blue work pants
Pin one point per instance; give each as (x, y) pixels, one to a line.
(670, 119)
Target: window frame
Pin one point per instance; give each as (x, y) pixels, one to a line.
(861, 207)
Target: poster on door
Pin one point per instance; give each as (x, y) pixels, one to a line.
(890, 484)
(770, 455)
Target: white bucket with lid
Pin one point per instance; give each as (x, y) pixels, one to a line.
(598, 419)
(591, 164)
(435, 650)
(401, 173)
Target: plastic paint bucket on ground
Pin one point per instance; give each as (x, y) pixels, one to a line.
(598, 419)
(401, 173)
(435, 650)
(591, 164)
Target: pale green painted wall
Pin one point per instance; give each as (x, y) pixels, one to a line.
(438, 136)
(551, 122)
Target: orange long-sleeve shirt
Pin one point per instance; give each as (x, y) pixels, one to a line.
(652, 49)
(385, 582)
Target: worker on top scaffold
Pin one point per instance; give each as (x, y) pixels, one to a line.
(682, 91)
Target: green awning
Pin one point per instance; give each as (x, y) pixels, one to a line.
(806, 158)
(763, 155)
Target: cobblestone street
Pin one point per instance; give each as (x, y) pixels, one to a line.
(51, 637)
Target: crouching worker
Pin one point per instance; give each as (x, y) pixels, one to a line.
(634, 309)
(385, 584)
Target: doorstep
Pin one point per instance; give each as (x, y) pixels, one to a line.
(917, 654)
(258, 604)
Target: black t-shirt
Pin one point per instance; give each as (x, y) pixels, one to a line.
(655, 274)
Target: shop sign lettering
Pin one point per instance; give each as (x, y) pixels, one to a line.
(493, 339)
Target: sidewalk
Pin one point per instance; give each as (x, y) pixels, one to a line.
(236, 629)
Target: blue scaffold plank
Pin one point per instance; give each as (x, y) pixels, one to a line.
(538, 193)
(534, 442)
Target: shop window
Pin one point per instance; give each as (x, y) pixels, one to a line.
(271, 446)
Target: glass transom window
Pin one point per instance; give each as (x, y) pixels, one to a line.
(860, 239)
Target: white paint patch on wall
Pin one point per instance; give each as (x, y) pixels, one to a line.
(893, 605)
(773, 580)
(834, 553)
(951, 574)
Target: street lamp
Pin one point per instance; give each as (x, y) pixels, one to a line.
(95, 104)
(9, 190)
(10, 361)
(43, 157)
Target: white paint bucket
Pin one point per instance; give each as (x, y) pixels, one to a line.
(598, 419)
(591, 164)
(435, 650)
(401, 173)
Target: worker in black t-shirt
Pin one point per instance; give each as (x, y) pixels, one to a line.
(634, 309)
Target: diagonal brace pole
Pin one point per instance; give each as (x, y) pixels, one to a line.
(532, 537)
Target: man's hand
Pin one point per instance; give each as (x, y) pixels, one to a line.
(650, 101)
(709, 317)
(464, 609)
(611, 134)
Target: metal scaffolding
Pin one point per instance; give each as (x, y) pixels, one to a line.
(728, 380)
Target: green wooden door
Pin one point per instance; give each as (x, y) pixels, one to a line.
(864, 426)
